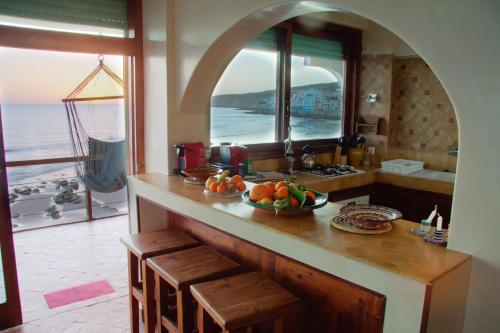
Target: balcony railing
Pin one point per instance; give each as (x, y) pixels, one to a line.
(65, 194)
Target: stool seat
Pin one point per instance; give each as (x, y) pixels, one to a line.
(141, 278)
(146, 245)
(184, 268)
(244, 300)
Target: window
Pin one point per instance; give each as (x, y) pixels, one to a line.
(98, 17)
(243, 106)
(317, 78)
(288, 76)
(44, 188)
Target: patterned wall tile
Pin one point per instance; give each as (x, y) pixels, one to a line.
(426, 127)
(376, 77)
(419, 113)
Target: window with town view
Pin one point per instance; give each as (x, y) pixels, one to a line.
(316, 104)
(243, 105)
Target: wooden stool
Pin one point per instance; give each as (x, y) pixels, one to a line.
(178, 271)
(238, 303)
(140, 247)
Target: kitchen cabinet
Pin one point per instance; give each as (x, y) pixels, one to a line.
(414, 204)
(350, 193)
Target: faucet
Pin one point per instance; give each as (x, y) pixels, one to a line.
(289, 151)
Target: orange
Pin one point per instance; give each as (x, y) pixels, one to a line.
(221, 188)
(213, 187)
(259, 192)
(279, 185)
(270, 185)
(310, 194)
(236, 179)
(241, 186)
(294, 202)
(282, 193)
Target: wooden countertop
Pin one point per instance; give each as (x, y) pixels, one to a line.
(372, 175)
(398, 251)
(414, 182)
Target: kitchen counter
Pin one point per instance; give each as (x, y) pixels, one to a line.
(397, 264)
(425, 180)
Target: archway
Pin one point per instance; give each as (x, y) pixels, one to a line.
(464, 59)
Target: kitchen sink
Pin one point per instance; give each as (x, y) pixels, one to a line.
(433, 174)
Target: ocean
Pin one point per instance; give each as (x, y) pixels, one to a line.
(244, 127)
(41, 131)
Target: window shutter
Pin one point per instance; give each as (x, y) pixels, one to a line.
(316, 47)
(266, 41)
(102, 13)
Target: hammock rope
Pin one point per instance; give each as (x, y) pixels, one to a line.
(100, 164)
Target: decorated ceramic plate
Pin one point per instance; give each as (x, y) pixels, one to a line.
(201, 173)
(321, 200)
(370, 217)
(343, 223)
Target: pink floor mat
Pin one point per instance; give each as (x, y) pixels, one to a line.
(79, 293)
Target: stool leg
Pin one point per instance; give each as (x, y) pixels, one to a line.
(205, 322)
(184, 312)
(148, 292)
(159, 326)
(133, 280)
(278, 325)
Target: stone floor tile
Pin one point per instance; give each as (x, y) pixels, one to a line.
(65, 256)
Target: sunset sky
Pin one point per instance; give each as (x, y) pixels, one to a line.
(34, 77)
(43, 77)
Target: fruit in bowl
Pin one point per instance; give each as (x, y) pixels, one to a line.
(222, 185)
(284, 197)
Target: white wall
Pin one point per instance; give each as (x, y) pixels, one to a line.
(378, 40)
(375, 38)
(155, 84)
(459, 41)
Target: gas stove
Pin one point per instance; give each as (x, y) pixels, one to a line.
(331, 170)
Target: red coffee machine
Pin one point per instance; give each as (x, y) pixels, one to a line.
(191, 155)
(233, 155)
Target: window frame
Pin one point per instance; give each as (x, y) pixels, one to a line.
(351, 44)
(130, 47)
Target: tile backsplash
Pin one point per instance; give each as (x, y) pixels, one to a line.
(421, 119)
(425, 123)
(376, 77)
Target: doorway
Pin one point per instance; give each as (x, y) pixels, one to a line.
(45, 185)
(42, 167)
(10, 306)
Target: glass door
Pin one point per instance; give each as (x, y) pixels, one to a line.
(10, 305)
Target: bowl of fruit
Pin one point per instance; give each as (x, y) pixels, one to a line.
(224, 187)
(283, 198)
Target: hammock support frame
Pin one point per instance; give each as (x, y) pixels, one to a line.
(101, 165)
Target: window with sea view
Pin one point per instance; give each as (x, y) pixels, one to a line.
(35, 128)
(244, 110)
(276, 82)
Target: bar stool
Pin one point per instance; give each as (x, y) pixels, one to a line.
(139, 248)
(240, 302)
(174, 273)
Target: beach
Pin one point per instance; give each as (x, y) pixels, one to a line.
(39, 132)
